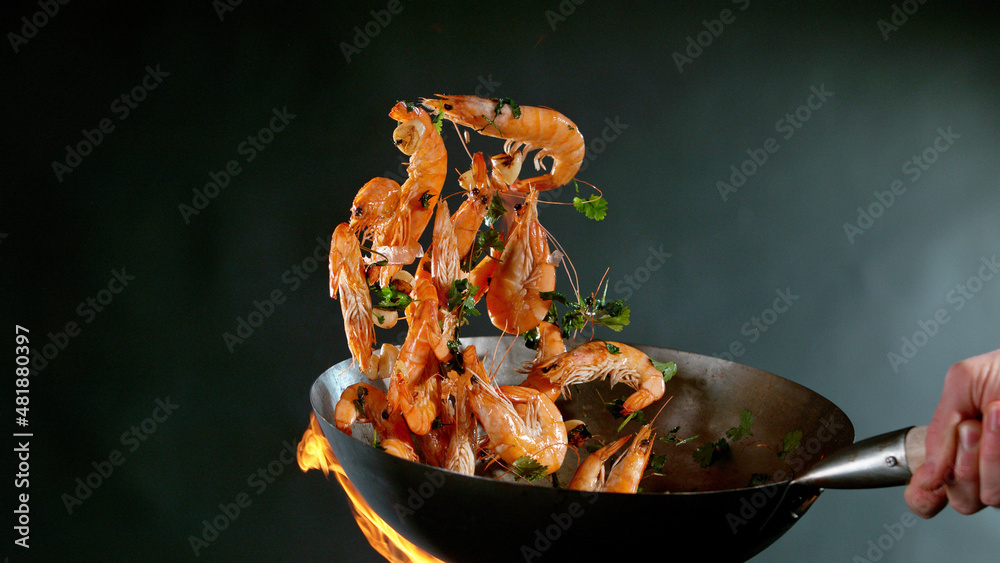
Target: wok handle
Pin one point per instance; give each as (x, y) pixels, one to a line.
(887, 460)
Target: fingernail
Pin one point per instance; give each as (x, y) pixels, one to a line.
(968, 436)
(995, 418)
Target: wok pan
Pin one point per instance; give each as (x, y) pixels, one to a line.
(698, 511)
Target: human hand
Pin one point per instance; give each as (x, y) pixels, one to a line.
(963, 442)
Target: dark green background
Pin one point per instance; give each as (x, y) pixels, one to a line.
(783, 230)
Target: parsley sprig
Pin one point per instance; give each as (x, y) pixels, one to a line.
(591, 309)
(712, 452)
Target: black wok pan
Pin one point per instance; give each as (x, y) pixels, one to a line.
(690, 510)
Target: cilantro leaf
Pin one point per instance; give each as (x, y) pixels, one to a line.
(515, 109)
(737, 432)
(531, 339)
(487, 239)
(711, 452)
(437, 120)
(495, 211)
(529, 468)
(790, 443)
(593, 208)
(552, 296)
(657, 462)
(578, 435)
(612, 349)
(390, 299)
(668, 369)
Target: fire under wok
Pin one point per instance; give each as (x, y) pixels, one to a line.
(460, 518)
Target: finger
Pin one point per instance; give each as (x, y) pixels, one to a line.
(924, 503)
(989, 456)
(963, 491)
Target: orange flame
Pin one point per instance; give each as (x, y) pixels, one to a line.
(314, 453)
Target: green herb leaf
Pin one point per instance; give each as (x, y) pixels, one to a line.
(657, 462)
(425, 199)
(710, 453)
(759, 479)
(531, 339)
(593, 208)
(460, 296)
(515, 109)
(790, 443)
(437, 120)
(612, 349)
(668, 369)
(490, 238)
(495, 211)
(390, 299)
(529, 468)
(746, 419)
(552, 296)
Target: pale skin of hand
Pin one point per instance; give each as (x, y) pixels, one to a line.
(963, 443)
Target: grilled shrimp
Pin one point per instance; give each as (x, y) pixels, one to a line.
(513, 300)
(533, 128)
(363, 403)
(589, 475)
(627, 471)
(347, 280)
(539, 433)
(594, 360)
(417, 138)
(375, 217)
(446, 260)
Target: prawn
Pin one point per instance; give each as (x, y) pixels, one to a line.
(627, 470)
(539, 433)
(524, 127)
(513, 300)
(417, 138)
(593, 360)
(470, 215)
(363, 403)
(461, 454)
(550, 345)
(347, 280)
(376, 219)
(589, 475)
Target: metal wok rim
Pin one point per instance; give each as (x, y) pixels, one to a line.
(318, 390)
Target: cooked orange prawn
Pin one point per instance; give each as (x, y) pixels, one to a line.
(363, 403)
(550, 345)
(375, 217)
(417, 138)
(470, 215)
(446, 260)
(627, 471)
(594, 360)
(539, 433)
(461, 454)
(589, 475)
(535, 128)
(513, 300)
(347, 280)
